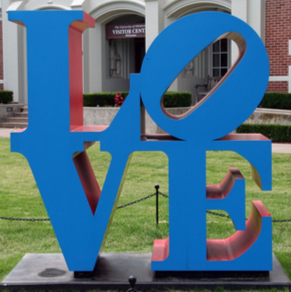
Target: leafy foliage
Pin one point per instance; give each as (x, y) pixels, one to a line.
(276, 133)
(118, 100)
(170, 99)
(102, 98)
(276, 100)
(177, 99)
(6, 96)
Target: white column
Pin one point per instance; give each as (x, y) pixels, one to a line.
(93, 64)
(174, 85)
(289, 70)
(289, 79)
(151, 21)
(256, 16)
(10, 52)
(239, 9)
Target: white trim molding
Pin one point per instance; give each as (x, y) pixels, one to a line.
(45, 4)
(283, 78)
(17, 5)
(179, 9)
(108, 11)
(151, 21)
(279, 78)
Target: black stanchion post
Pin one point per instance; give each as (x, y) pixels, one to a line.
(132, 281)
(157, 203)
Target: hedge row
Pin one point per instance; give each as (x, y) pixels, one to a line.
(276, 100)
(171, 99)
(177, 99)
(6, 96)
(101, 98)
(276, 133)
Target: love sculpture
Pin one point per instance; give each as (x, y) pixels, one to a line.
(55, 142)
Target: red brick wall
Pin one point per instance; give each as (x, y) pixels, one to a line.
(278, 86)
(278, 34)
(1, 55)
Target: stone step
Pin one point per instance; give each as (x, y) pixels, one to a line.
(24, 109)
(17, 120)
(20, 114)
(13, 125)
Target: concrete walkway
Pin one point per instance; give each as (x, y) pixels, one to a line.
(5, 133)
(276, 147)
(281, 148)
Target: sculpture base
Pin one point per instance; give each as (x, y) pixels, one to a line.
(50, 272)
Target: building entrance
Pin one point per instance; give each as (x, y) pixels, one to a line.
(139, 50)
(125, 38)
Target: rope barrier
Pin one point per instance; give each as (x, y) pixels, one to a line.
(132, 203)
(137, 201)
(24, 219)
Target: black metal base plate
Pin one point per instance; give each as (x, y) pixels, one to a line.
(50, 272)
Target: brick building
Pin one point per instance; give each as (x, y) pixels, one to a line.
(1, 52)
(278, 44)
(109, 60)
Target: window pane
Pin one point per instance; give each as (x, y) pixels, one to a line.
(215, 60)
(224, 45)
(223, 72)
(216, 47)
(215, 72)
(223, 60)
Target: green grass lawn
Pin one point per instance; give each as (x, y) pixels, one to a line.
(133, 228)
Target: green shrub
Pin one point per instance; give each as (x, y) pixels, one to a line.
(171, 99)
(177, 99)
(276, 133)
(6, 96)
(276, 100)
(101, 98)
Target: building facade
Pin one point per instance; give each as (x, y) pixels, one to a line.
(278, 44)
(124, 30)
